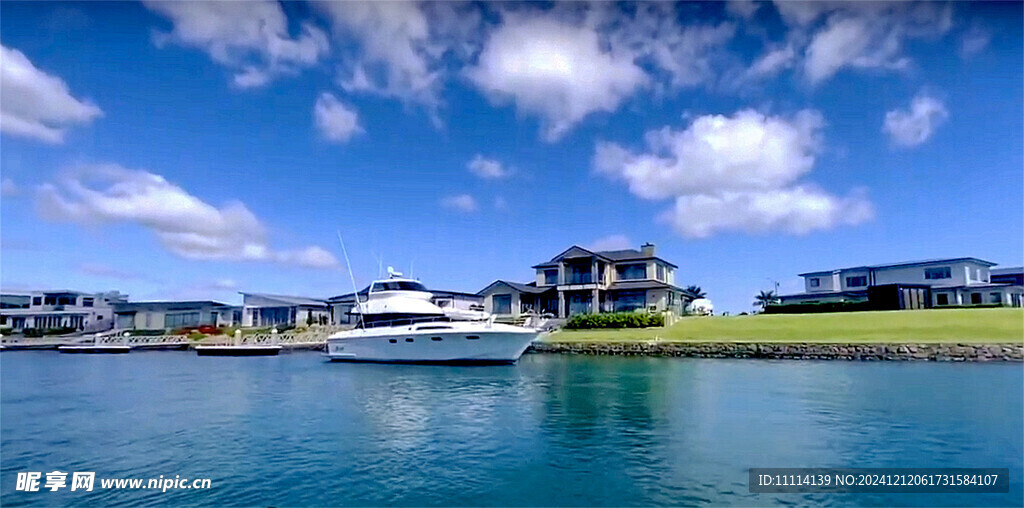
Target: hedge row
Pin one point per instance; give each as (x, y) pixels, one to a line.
(615, 320)
(39, 332)
(814, 308)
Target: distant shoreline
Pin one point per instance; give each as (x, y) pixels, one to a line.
(938, 352)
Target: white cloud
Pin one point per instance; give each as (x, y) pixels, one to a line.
(772, 62)
(336, 121)
(974, 41)
(742, 8)
(913, 127)
(187, 226)
(734, 173)
(798, 210)
(611, 242)
(487, 168)
(251, 38)
(460, 202)
(686, 54)
(747, 151)
(395, 57)
(865, 35)
(8, 188)
(34, 104)
(555, 70)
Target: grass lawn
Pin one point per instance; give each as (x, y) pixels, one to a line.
(1001, 325)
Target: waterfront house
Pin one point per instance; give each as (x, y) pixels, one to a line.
(170, 315)
(1013, 276)
(261, 309)
(59, 309)
(579, 280)
(341, 306)
(912, 284)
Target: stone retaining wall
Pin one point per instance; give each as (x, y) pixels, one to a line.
(797, 351)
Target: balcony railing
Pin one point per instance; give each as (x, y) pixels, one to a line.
(579, 278)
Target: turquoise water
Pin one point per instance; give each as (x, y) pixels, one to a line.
(551, 430)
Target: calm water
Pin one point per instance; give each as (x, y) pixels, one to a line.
(552, 430)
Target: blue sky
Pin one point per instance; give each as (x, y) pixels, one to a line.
(181, 150)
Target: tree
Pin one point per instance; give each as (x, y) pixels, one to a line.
(696, 291)
(766, 298)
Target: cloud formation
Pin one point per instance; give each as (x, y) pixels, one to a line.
(37, 105)
(335, 121)
(736, 172)
(909, 128)
(554, 70)
(488, 169)
(251, 38)
(461, 202)
(185, 225)
(8, 188)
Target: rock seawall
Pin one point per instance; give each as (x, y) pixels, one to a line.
(797, 351)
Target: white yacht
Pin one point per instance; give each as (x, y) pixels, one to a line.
(398, 323)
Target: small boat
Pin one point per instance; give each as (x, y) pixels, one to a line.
(242, 350)
(398, 323)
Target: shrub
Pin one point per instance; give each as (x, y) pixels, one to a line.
(32, 332)
(61, 330)
(196, 336)
(6, 331)
(146, 333)
(615, 320)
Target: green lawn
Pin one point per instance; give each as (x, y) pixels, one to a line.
(1002, 325)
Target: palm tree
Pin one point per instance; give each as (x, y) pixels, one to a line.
(696, 292)
(766, 298)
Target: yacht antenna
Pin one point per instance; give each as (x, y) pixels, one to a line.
(355, 290)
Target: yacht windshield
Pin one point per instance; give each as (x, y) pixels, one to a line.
(398, 285)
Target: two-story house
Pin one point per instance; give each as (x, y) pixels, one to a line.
(929, 283)
(60, 309)
(583, 281)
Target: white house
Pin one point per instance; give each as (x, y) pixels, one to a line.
(579, 280)
(260, 309)
(43, 310)
(939, 282)
(174, 314)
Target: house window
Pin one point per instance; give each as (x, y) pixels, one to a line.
(996, 297)
(942, 299)
(632, 272)
(661, 272)
(629, 301)
(975, 298)
(856, 282)
(551, 277)
(50, 300)
(38, 300)
(502, 304)
(66, 300)
(87, 302)
(814, 282)
(937, 273)
(181, 319)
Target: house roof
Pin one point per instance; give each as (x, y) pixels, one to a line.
(288, 300)
(646, 284)
(905, 263)
(530, 288)
(1013, 270)
(613, 256)
(168, 305)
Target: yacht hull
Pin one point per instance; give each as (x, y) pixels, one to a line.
(434, 343)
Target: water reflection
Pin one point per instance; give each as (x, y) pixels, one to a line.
(552, 430)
